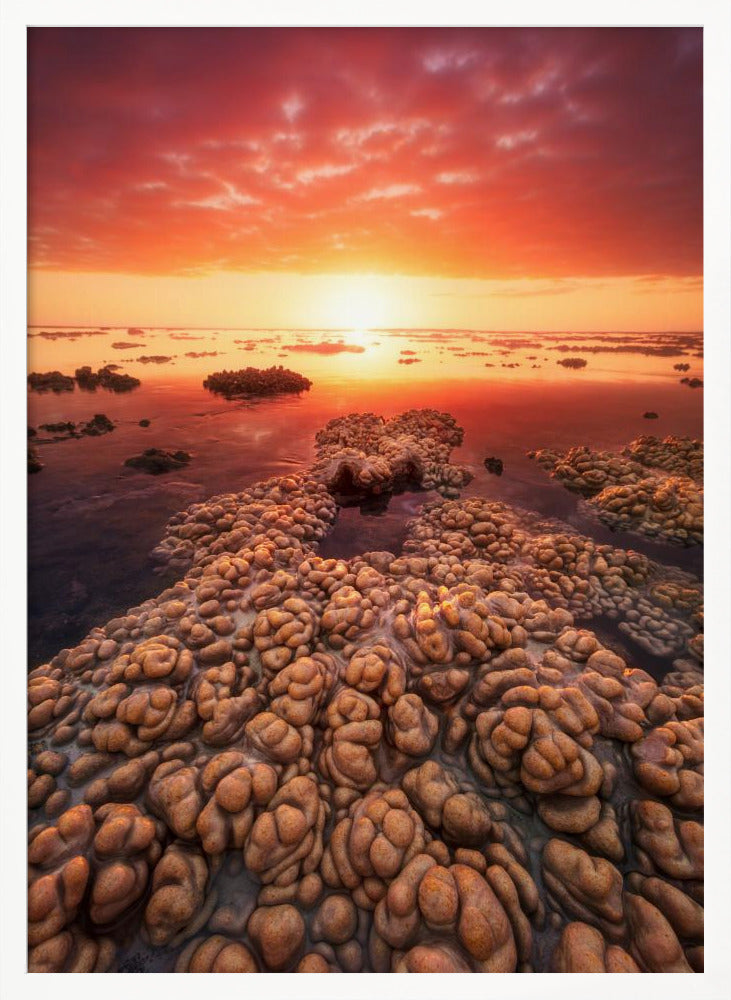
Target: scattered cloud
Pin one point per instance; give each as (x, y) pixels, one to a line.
(457, 177)
(293, 107)
(516, 139)
(324, 172)
(391, 191)
(246, 149)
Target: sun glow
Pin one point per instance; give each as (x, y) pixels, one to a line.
(358, 304)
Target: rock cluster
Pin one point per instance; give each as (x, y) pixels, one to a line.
(55, 381)
(362, 454)
(156, 461)
(106, 378)
(410, 763)
(85, 378)
(64, 430)
(572, 362)
(652, 486)
(34, 462)
(478, 541)
(256, 382)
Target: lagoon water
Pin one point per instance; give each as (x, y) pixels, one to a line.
(93, 521)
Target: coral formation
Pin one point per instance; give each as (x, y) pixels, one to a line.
(107, 377)
(256, 382)
(55, 381)
(34, 462)
(362, 454)
(572, 362)
(157, 460)
(64, 430)
(652, 486)
(391, 763)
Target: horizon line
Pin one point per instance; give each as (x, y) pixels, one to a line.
(351, 329)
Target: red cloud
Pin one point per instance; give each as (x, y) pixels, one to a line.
(464, 152)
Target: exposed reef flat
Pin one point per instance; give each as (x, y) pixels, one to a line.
(106, 378)
(652, 486)
(66, 429)
(256, 382)
(50, 381)
(413, 762)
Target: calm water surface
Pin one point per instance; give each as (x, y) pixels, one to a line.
(92, 521)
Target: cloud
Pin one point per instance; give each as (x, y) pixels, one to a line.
(293, 107)
(516, 139)
(428, 213)
(229, 199)
(324, 172)
(391, 191)
(553, 153)
(457, 177)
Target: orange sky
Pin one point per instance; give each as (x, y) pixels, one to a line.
(504, 178)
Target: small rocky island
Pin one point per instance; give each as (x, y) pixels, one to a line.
(106, 377)
(156, 461)
(256, 382)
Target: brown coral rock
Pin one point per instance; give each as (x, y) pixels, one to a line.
(178, 891)
(286, 761)
(372, 845)
(278, 933)
(285, 842)
(220, 954)
(585, 887)
(583, 949)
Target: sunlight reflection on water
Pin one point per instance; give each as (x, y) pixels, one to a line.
(92, 522)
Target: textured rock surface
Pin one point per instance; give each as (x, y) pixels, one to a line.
(256, 382)
(653, 486)
(396, 763)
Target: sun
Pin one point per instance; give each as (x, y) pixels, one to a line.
(358, 304)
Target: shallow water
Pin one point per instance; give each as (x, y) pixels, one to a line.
(92, 521)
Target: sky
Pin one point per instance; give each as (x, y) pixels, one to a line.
(492, 178)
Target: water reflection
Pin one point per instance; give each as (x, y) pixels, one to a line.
(92, 522)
